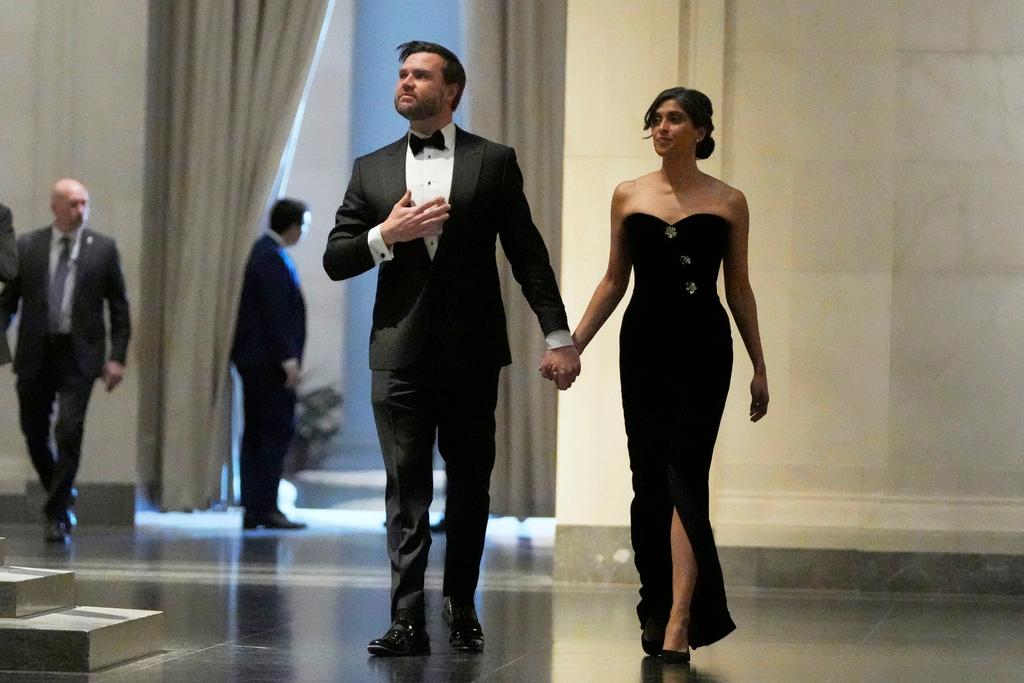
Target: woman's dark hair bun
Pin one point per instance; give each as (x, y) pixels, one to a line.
(705, 147)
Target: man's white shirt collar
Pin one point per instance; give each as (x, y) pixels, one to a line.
(277, 238)
(75, 235)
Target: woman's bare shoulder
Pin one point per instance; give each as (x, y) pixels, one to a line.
(629, 192)
(730, 200)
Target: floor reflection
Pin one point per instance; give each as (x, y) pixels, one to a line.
(285, 606)
(654, 670)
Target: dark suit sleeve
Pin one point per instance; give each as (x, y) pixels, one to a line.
(117, 307)
(8, 247)
(347, 253)
(11, 294)
(526, 252)
(9, 303)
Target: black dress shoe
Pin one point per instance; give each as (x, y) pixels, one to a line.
(57, 531)
(653, 636)
(402, 640)
(464, 632)
(273, 520)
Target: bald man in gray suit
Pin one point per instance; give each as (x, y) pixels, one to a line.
(69, 284)
(8, 267)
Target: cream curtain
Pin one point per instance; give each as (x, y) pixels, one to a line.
(226, 82)
(515, 59)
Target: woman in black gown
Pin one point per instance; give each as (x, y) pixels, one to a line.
(675, 227)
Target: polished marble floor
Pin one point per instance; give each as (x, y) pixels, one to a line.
(287, 606)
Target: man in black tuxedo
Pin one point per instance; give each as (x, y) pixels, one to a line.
(428, 210)
(67, 275)
(8, 267)
(270, 335)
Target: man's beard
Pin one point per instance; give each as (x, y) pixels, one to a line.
(420, 109)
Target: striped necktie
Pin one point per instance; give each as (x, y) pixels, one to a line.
(57, 283)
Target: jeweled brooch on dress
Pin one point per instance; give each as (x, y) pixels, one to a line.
(691, 287)
(670, 231)
(685, 260)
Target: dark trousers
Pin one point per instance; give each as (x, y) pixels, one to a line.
(60, 382)
(269, 409)
(410, 406)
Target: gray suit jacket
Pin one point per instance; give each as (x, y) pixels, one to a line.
(98, 282)
(8, 268)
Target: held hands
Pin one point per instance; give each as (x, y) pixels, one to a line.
(113, 373)
(408, 222)
(560, 365)
(758, 396)
(292, 373)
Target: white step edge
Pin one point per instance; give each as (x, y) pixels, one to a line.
(81, 639)
(25, 591)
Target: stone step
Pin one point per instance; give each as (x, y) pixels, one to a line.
(81, 639)
(25, 591)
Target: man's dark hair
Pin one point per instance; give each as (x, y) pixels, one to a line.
(453, 70)
(286, 213)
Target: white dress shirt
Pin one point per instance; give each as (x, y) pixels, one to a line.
(429, 175)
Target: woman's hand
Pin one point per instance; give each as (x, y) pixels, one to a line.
(758, 396)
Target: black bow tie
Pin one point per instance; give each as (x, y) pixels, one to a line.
(417, 144)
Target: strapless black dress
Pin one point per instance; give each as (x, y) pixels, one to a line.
(675, 363)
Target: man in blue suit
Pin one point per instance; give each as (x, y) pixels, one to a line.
(269, 338)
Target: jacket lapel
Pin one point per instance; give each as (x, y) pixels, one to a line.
(466, 170)
(41, 259)
(85, 241)
(393, 173)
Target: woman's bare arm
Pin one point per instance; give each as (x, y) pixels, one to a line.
(740, 297)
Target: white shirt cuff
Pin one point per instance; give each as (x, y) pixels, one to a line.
(378, 249)
(558, 338)
(291, 363)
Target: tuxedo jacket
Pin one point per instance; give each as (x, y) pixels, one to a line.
(452, 304)
(8, 269)
(271, 325)
(98, 283)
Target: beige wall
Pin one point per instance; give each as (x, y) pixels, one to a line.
(74, 105)
(618, 55)
(879, 145)
(318, 175)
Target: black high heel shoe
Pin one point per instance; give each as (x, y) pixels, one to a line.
(677, 656)
(652, 637)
